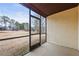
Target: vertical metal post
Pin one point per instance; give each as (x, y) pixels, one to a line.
(46, 29)
(29, 29)
(40, 30)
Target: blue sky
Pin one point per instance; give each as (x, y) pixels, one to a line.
(14, 11)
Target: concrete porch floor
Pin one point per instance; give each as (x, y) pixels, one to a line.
(50, 49)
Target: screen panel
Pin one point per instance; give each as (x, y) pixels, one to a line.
(43, 30)
(35, 30)
(14, 29)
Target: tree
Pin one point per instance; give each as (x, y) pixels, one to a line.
(5, 20)
(17, 24)
(26, 26)
(36, 25)
(1, 20)
(22, 26)
(1, 23)
(12, 24)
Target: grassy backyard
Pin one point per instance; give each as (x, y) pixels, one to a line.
(17, 46)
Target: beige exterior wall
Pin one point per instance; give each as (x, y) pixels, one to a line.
(62, 28)
(78, 27)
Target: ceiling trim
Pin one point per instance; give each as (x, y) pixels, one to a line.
(65, 6)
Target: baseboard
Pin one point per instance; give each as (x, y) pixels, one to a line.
(63, 46)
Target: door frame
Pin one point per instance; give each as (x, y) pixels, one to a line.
(39, 44)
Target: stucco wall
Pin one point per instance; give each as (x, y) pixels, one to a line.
(62, 28)
(78, 27)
